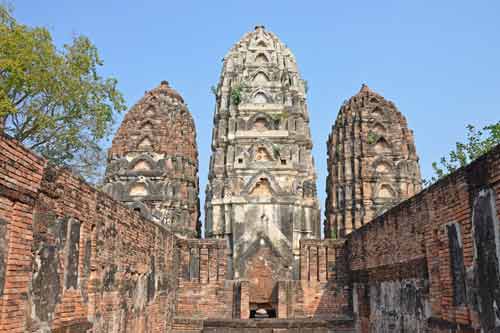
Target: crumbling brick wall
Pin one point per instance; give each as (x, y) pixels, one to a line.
(204, 291)
(432, 262)
(72, 259)
(322, 291)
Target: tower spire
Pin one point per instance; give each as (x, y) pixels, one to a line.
(261, 194)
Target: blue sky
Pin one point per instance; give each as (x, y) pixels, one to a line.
(439, 61)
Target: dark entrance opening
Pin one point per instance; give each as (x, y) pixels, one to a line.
(262, 311)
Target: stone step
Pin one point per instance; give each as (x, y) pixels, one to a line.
(278, 326)
(272, 325)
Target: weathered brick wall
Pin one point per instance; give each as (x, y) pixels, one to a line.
(204, 291)
(432, 262)
(20, 180)
(322, 291)
(72, 259)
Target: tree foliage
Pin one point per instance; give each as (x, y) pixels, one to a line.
(478, 143)
(53, 100)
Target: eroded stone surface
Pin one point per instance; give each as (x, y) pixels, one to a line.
(153, 161)
(261, 195)
(372, 162)
(398, 306)
(46, 283)
(485, 278)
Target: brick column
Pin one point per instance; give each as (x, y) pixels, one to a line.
(245, 300)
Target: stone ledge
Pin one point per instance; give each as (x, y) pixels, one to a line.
(277, 323)
(261, 323)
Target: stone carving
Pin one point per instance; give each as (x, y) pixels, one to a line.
(154, 160)
(372, 162)
(261, 189)
(256, 155)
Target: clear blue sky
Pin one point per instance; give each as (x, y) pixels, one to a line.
(439, 61)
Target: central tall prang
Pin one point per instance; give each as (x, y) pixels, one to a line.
(261, 195)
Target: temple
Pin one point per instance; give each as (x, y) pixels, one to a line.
(261, 196)
(130, 257)
(372, 162)
(153, 161)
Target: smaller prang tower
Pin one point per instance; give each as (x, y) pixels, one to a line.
(153, 161)
(372, 162)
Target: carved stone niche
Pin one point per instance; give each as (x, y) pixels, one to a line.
(260, 124)
(260, 98)
(142, 165)
(262, 188)
(262, 155)
(261, 59)
(309, 188)
(138, 190)
(386, 192)
(145, 144)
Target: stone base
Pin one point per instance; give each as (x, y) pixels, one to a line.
(345, 325)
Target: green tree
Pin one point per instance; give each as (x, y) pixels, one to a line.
(53, 100)
(478, 143)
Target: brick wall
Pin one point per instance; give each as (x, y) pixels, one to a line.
(72, 259)
(322, 291)
(204, 291)
(20, 180)
(432, 262)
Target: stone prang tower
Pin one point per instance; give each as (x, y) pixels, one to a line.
(261, 195)
(372, 162)
(153, 161)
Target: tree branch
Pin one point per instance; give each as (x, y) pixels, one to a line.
(21, 99)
